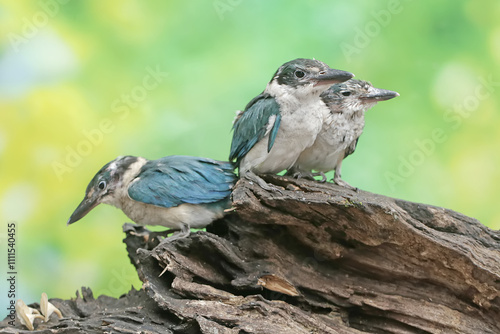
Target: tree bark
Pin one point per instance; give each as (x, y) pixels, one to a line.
(312, 258)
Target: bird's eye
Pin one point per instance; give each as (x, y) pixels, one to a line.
(346, 93)
(102, 185)
(299, 74)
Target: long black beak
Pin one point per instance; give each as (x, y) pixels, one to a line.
(83, 208)
(332, 76)
(377, 94)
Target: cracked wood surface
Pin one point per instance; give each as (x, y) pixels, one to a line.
(313, 258)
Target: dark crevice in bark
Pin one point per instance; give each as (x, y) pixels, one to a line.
(312, 258)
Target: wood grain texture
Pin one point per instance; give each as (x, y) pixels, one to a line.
(313, 258)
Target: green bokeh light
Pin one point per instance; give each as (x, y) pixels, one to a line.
(65, 67)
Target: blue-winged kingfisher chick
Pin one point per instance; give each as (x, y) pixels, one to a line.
(342, 127)
(178, 192)
(284, 120)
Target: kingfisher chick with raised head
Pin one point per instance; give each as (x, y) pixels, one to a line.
(281, 122)
(342, 127)
(178, 192)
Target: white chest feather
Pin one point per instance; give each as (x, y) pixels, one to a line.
(193, 215)
(340, 130)
(301, 122)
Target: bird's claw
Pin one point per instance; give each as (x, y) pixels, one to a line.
(338, 181)
(263, 184)
(297, 174)
(323, 176)
(184, 232)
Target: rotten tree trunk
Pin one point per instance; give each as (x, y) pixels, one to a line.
(315, 258)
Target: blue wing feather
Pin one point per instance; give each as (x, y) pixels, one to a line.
(175, 180)
(274, 132)
(251, 125)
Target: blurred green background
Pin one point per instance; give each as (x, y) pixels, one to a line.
(82, 82)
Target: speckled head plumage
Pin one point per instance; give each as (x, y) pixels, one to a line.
(354, 94)
(173, 191)
(102, 185)
(301, 72)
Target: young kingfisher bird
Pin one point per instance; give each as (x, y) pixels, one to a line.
(284, 120)
(342, 127)
(178, 192)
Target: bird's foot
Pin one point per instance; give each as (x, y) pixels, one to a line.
(338, 181)
(306, 175)
(263, 184)
(301, 175)
(161, 235)
(151, 238)
(182, 233)
(323, 176)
